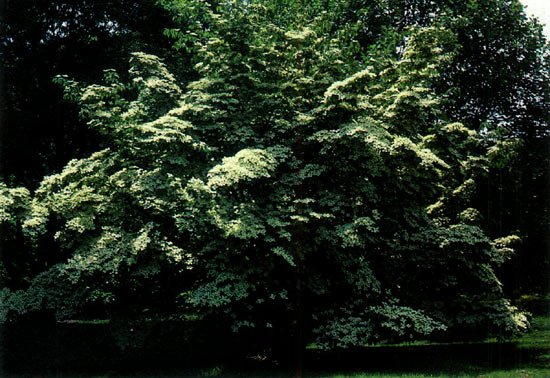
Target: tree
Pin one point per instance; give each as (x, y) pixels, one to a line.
(287, 159)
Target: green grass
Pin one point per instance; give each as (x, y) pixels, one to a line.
(529, 356)
(513, 373)
(526, 357)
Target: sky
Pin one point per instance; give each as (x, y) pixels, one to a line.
(541, 9)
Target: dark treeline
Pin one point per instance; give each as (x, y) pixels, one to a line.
(42, 39)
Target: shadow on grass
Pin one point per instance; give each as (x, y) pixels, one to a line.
(178, 350)
(454, 359)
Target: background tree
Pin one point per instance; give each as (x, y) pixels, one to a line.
(42, 39)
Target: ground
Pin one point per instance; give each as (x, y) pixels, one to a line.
(528, 356)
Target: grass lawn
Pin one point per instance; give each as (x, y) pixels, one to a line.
(526, 357)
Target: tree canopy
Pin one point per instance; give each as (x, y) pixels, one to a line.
(328, 145)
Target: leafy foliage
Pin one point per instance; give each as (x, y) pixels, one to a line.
(287, 156)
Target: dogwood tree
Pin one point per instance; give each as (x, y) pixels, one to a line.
(289, 169)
